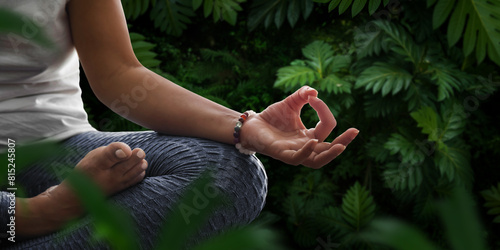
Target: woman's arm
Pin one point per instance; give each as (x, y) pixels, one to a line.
(101, 38)
(117, 78)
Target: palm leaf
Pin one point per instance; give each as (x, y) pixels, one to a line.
(479, 18)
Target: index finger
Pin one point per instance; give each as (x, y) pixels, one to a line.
(326, 119)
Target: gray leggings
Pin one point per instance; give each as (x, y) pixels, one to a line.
(174, 162)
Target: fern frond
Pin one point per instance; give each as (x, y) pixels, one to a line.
(384, 77)
(479, 18)
(358, 207)
(269, 11)
(492, 198)
(172, 16)
(292, 76)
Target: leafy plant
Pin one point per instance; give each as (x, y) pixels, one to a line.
(357, 5)
(276, 11)
(492, 197)
(479, 19)
(220, 9)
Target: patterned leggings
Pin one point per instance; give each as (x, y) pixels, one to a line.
(174, 162)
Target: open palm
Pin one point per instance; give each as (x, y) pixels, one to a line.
(279, 132)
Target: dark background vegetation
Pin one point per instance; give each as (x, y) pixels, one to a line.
(426, 106)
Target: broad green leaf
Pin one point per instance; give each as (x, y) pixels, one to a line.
(428, 120)
(344, 5)
(373, 6)
(441, 12)
(479, 18)
(143, 51)
(293, 12)
(448, 79)
(357, 6)
(333, 4)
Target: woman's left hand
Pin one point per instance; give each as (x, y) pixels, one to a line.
(279, 132)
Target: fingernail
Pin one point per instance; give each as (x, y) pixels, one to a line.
(120, 154)
(144, 165)
(141, 154)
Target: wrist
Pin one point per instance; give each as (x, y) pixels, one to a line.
(240, 143)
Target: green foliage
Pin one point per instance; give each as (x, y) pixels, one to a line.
(276, 11)
(172, 16)
(318, 71)
(479, 18)
(357, 5)
(144, 51)
(358, 207)
(220, 9)
(134, 8)
(420, 104)
(458, 216)
(492, 197)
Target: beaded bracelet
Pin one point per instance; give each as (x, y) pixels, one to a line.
(237, 130)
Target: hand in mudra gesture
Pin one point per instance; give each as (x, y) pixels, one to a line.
(279, 132)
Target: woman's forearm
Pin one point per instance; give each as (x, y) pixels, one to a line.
(152, 101)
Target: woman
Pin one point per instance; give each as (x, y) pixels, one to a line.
(40, 100)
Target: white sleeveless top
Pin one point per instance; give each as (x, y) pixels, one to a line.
(40, 96)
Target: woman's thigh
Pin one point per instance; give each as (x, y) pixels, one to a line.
(174, 163)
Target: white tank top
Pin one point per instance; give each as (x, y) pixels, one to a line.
(40, 96)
